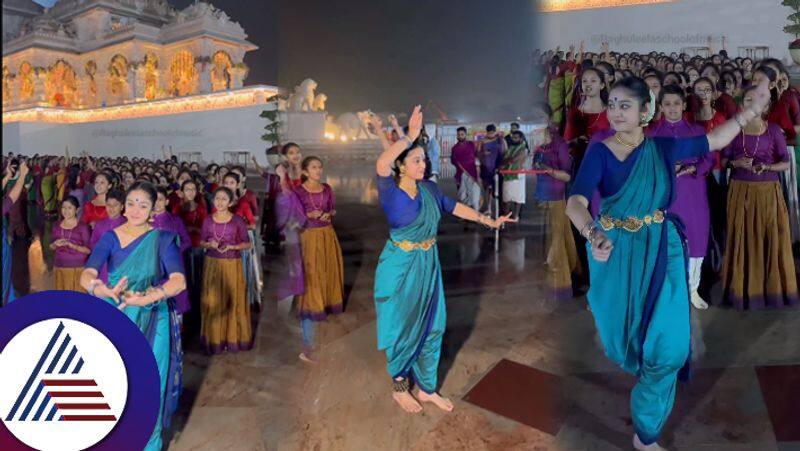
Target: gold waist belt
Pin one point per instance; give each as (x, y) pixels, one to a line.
(631, 223)
(409, 246)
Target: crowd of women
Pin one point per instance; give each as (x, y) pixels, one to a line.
(675, 163)
(165, 241)
(738, 207)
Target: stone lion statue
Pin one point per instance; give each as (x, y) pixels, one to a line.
(354, 125)
(319, 102)
(303, 97)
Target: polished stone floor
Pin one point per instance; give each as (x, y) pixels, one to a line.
(525, 373)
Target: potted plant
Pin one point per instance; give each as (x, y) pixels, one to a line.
(794, 28)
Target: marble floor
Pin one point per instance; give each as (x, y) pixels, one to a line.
(524, 372)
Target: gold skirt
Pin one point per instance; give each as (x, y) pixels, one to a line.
(68, 279)
(324, 274)
(562, 256)
(225, 312)
(758, 268)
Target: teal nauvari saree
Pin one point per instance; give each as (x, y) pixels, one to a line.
(409, 299)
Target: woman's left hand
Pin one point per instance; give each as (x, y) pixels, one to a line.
(136, 299)
(497, 223)
(762, 97)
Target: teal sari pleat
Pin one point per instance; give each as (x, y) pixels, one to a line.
(159, 322)
(639, 297)
(409, 298)
(8, 287)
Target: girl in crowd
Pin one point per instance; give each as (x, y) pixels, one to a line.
(411, 309)
(590, 117)
(241, 208)
(638, 292)
(95, 209)
(14, 171)
(758, 269)
(290, 218)
(707, 117)
(562, 259)
(691, 200)
(138, 258)
(322, 256)
(115, 202)
(164, 220)
(193, 212)
(779, 113)
(70, 239)
(225, 313)
(252, 257)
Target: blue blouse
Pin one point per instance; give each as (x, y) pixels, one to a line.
(601, 170)
(400, 208)
(108, 250)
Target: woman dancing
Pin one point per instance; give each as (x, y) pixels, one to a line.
(409, 296)
(138, 257)
(638, 291)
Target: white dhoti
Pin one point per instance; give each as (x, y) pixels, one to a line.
(469, 192)
(514, 190)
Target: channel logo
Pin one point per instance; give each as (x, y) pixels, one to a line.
(75, 374)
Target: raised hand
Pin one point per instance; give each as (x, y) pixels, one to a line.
(415, 123)
(761, 100)
(377, 123)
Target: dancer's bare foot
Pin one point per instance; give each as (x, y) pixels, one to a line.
(407, 402)
(308, 358)
(642, 447)
(698, 301)
(442, 403)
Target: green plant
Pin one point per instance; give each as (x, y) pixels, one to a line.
(273, 128)
(794, 18)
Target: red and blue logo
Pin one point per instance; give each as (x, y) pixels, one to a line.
(75, 373)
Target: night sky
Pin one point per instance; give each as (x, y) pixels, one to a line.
(472, 57)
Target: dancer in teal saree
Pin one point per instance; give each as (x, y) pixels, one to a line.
(638, 291)
(409, 296)
(145, 275)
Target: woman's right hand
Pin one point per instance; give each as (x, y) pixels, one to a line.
(601, 247)
(104, 291)
(415, 123)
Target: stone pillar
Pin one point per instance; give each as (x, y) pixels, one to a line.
(83, 96)
(204, 71)
(139, 72)
(101, 78)
(128, 93)
(237, 74)
(39, 94)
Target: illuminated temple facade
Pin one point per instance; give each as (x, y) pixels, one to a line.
(83, 54)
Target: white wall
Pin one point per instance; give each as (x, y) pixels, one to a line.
(210, 132)
(744, 22)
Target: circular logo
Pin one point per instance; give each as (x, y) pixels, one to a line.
(84, 375)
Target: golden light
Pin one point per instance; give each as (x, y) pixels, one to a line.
(551, 6)
(343, 138)
(330, 136)
(253, 95)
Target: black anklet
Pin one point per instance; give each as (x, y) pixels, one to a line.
(400, 386)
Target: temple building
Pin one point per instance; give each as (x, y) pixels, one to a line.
(94, 53)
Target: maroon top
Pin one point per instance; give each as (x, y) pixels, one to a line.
(767, 148)
(66, 257)
(230, 233)
(7, 204)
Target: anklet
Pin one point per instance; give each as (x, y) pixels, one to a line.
(400, 386)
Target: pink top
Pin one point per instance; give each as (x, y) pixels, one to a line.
(66, 257)
(322, 201)
(230, 233)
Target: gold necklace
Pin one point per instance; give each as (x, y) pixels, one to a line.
(625, 143)
(758, 138)
(410, 192)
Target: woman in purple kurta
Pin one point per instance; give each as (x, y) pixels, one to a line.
(691, 199)
(164, 220)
